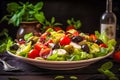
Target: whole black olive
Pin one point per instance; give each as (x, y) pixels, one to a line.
(14, 47)
(85, 48)
(56, 46)
(98, 41)
(77, 39)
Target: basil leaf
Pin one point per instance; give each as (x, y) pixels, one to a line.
(38, 6)
(107, 65)
(13, 19)
(40, 17)
(12, 7)
(52, 20)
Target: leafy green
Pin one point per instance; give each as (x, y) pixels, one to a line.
(5, 41)
(53, 57)
(27, 36)
(71, 22)
(19, 12)
(105, 69)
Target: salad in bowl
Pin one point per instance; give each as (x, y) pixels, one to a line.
(62, 47)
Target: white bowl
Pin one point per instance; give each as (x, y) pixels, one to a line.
(60, 65)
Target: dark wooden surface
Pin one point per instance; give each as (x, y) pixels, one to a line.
(30, 72)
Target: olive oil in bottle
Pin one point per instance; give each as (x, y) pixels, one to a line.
(108, 21)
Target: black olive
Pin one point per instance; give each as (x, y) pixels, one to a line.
(85, 48)
(98, 41)
(56, 46)
(14, 47)
(77, 39)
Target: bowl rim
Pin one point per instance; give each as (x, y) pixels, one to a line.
(61, 62)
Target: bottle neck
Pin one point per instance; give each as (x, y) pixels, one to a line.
(109, 6)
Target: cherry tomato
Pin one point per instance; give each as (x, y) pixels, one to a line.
(116, 56)
(57, 28)
(103, 45)
(75, 33)
(39, 46)
(33, 53)
(65, 41)
(93, 37)
(44, 35)
(49, 41)
(70, 27)
(44, 52)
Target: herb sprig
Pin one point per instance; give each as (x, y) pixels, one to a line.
(19, 12)
(105, 69)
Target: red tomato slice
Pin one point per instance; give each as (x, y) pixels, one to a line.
(70, 27)
(49, 41)
(39, 46)
(76, 33)
(103, 45)
(57, 28)
(65, 41)
(45, 52)
(116, 56)
(33, 53)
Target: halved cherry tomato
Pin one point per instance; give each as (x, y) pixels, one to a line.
(44, 35)
(75, 33)
(65, 40)
(44, 52)
(70, 27)
(33, 53)
(39, 46)
(116, 56)
(93, 37)
(103, 45)
(57, 28)
(49, 41)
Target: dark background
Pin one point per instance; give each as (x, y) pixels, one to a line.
(87, 11)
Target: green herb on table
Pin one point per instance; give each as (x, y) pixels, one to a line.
(5, 41)
(59, 77)
(105, 69)
(73, 77)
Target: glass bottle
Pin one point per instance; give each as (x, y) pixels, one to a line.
(108, 21)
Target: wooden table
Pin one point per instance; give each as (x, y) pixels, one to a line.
(30, 72)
